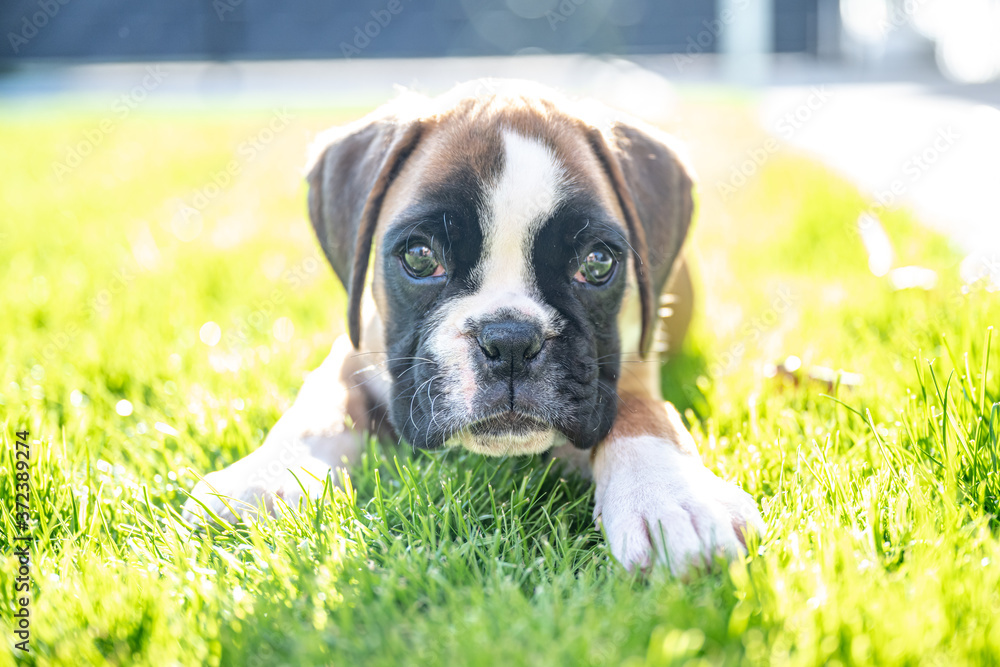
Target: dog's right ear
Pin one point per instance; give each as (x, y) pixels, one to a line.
(348, 178)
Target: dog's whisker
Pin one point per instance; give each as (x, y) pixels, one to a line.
(433, 420)
(370, 369)
(413, 398)
(368, 379)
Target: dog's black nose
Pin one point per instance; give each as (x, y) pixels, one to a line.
(511, 343)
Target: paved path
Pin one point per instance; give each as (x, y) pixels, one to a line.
(903, 145)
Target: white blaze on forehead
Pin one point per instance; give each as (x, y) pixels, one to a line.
(516, 206)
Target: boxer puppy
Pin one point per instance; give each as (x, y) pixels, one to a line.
(503, 252)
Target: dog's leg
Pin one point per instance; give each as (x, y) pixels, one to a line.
(656, 499)
(319, 434)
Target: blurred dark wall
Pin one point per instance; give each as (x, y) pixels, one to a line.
(110, 30)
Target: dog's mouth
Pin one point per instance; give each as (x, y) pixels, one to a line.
(508, 423)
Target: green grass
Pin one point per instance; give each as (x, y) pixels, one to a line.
(881, 500)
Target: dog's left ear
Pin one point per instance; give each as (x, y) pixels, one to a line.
(348, 181)
(655, 192)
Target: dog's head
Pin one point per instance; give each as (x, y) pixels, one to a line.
(506, 236)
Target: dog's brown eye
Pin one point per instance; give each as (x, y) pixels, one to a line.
(420, 262)
(597, 268)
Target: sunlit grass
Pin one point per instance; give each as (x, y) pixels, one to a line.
(881, 498)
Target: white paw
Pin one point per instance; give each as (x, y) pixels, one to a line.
(660, 505)
(238, 491)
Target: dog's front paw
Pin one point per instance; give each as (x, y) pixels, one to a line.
(237, 492)
(660, 505)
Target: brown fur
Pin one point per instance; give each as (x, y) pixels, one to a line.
(640, 414)
(625, 164)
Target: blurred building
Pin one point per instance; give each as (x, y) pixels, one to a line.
(253, 29)
(961, 37)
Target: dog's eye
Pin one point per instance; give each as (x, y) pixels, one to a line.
(597, 268)
(420, 262)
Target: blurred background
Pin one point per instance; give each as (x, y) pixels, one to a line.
(865, 86)
(896, 38)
